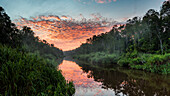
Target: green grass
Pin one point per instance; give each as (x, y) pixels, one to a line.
(31, 75)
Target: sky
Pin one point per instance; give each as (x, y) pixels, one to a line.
(68, 23)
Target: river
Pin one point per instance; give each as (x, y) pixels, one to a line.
(113, 80)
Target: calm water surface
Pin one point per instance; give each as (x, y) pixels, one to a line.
(113, 81)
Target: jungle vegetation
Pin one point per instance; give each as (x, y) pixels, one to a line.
(142, 43)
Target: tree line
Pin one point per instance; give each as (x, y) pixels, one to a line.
(139, 38)
(149, 34)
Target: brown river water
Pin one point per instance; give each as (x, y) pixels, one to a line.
(113, 80)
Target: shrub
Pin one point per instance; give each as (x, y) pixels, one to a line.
(29, 74)
(152, 62)
(124, 62)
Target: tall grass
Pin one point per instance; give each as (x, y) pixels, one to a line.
(26, 74)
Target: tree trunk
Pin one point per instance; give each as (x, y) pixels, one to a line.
(160, 40)
(161, 46)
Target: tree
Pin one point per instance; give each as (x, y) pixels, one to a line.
(165, 17)
(9, 34)
(52, 45)
(154, 22)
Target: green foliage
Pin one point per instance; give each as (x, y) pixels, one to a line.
(29, 74)
(124, 62)
(149, 62)
(9, 34)
(98, 58)
(133, 54)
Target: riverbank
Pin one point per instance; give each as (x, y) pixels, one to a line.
(148, 62)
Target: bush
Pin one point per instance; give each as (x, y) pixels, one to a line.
(29, 74)
(124, 62)
(149, 62)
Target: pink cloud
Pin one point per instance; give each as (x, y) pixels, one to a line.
(97, 1)
(64, 32)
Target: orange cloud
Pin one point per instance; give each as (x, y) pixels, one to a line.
(49, 18)
(64, 17)
(64, 32)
